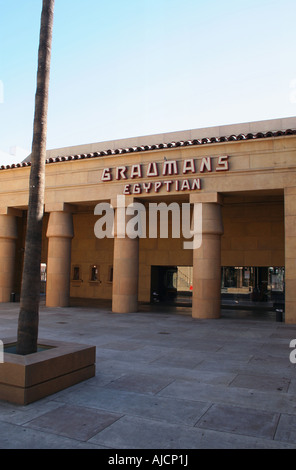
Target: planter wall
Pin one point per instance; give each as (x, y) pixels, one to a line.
(25, 379)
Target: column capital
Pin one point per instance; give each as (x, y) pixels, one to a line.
(207, 219)
(212, 197)
(60, 225)
(59, 207)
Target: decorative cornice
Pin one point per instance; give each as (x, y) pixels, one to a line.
(144, 148)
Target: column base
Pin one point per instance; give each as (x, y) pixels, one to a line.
(124, 303)
(290, 312)
(206, 309)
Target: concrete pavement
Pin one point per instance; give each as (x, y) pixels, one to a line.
(163, 381)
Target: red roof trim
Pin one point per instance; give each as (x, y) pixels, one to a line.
(143, 148)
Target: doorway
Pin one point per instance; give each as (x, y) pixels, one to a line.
(171, 284)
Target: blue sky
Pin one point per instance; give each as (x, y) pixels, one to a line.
(123, 68)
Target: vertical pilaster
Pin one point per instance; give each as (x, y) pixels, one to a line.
(125, 268)
(206, 298)
(290, 255)
(60, 233)
(8, 236)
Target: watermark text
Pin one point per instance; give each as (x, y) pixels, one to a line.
(1, 352)
(136, 220)
(293, 352)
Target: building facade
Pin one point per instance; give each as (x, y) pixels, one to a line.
(226, 195)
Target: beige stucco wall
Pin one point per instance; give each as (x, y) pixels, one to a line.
(87, 251)
(260, 164)
(254, 234)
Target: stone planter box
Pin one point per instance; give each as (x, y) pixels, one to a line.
(55, 366)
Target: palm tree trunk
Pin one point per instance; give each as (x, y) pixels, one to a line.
(30, 291)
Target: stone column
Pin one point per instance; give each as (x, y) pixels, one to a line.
(206, 298)
(60, 233)
(8, 237)
(290, 255)
(125, 269)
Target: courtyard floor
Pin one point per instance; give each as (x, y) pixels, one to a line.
(163, 381)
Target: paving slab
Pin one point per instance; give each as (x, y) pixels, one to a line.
(20, 437)
(140, 383)
(75, 422)
(286, 430)
(138, 433)
(240, 420)
(169, 410)
(261, 382)
(236, 396)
